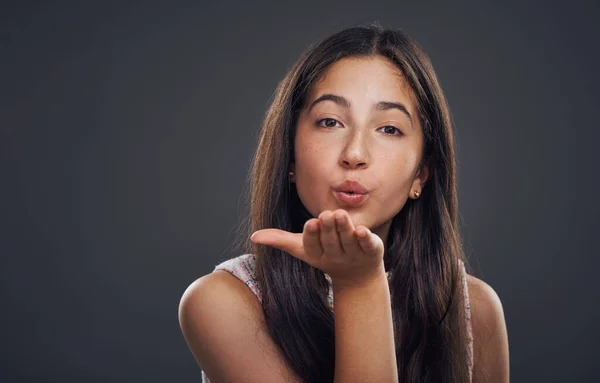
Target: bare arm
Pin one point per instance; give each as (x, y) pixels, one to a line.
(353, 258)
(364, 333)
(490, 339)
(224, 327)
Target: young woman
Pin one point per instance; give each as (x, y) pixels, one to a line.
(355, 272)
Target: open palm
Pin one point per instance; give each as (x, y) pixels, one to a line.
(332, 244)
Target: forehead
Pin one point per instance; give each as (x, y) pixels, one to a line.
(368, 79)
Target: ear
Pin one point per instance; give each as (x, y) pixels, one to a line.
(420, 180)
(423, 174)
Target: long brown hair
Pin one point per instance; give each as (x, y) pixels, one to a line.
(423, 249)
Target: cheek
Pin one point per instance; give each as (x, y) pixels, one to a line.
(312, 157)
(396, 175)
(313, 174)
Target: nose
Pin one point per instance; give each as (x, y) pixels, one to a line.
(355, 154)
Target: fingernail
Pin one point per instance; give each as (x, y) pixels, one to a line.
(252, 237)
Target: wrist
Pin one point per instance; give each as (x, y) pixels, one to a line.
(375, 278)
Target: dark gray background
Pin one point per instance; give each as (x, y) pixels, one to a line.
(126, 132)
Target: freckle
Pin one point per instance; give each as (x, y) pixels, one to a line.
(311, 148)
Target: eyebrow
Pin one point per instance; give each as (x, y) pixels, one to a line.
(381, 105)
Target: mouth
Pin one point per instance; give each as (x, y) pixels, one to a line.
(351, 193)
(350, 199)
(351, 187)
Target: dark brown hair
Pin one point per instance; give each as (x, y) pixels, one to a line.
(423, 249)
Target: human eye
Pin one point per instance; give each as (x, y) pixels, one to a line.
(391, 130)
(329, 122)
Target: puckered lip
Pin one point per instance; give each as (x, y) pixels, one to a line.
(350, 186)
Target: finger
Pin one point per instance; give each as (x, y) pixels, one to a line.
(311, 238)
(345, 230)
(329, 237)
(281, 239)
(370, 243)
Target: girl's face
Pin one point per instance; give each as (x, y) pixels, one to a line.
(359, 124)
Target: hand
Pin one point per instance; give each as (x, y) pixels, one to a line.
(331, 243)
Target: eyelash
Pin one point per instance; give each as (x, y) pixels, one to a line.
(333, 119)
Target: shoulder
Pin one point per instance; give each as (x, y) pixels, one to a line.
(215, 301)
(215, 312)
(223, 325)
(487, 312)
(218, 290)
(484, 297)
(490, 339)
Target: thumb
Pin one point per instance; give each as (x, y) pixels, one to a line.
(281, 239)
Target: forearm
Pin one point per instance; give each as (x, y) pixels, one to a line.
(364, 333)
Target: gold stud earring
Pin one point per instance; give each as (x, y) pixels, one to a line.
(417, 194)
